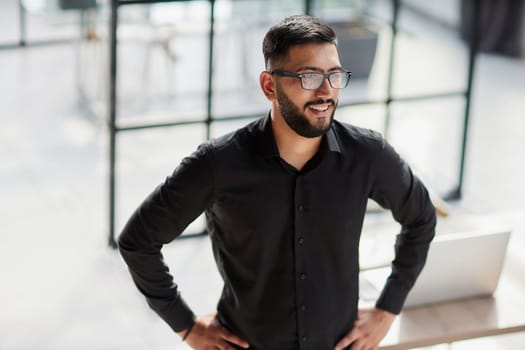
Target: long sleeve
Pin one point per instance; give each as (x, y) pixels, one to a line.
(162, 217)
(399, 190)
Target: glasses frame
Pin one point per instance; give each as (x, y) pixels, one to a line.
(300, 76)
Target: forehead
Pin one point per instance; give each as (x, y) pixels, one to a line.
(323, 56)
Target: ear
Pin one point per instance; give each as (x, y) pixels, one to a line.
(267, 85)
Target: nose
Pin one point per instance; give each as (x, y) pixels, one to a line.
(325, 90)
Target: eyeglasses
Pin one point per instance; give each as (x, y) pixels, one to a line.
(314, 80)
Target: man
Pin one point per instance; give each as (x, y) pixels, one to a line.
(285, 199)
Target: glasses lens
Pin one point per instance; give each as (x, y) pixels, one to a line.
(338, 80)
(312, 81)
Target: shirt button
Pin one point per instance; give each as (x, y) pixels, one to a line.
(301, 240)
(300, 208)
(303, 338)
(303, 307)
(302, 276)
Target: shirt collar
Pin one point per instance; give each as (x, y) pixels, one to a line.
(268, 146)
(332, 141)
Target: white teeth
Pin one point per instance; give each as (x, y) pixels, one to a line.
(319, 108)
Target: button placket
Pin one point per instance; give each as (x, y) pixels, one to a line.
(300, 261)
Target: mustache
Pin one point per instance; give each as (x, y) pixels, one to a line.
(319, 102)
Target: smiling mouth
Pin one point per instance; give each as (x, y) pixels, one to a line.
(319, 108)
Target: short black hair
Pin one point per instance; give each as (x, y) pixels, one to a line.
(295, 30)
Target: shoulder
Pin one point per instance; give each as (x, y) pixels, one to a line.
(233, 143)
(370, 147)
(361, 140)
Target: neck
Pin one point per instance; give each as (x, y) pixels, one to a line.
(295, 149)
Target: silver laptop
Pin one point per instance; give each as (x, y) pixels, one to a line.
(459, 265)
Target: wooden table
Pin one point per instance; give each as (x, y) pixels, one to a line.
(502, 313)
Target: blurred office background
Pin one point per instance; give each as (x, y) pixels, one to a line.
(64, 287)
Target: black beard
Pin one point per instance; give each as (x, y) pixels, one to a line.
(298, 122)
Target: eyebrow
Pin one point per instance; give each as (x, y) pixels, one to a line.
(337, 68)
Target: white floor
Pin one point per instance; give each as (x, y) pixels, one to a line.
(63, 288)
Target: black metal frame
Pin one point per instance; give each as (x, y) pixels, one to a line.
(22, 37)
(23, 43)
(114, 129)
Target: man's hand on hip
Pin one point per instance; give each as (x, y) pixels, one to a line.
(370, 328)
(208, 333)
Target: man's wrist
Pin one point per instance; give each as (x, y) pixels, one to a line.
(385, 313)
(187, 332)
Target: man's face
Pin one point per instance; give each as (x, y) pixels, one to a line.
(308, 112)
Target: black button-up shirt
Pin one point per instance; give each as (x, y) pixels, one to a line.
(285, 241)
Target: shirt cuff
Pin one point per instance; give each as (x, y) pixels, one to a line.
(392, 297)
(176, 314)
